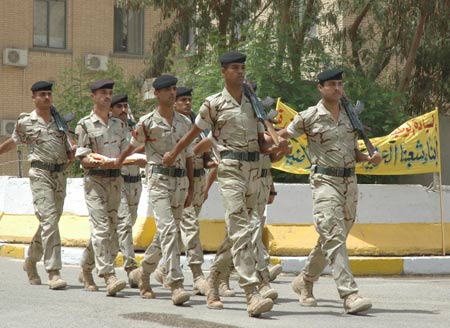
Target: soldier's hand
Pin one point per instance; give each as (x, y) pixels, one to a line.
(375, 159)
(168, 159)
(283, 145)
(189, 197)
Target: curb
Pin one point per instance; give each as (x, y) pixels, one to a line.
(361, 266)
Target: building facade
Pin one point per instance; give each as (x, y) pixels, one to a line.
(40, 39)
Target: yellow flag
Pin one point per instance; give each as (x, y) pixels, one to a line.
(412, 148)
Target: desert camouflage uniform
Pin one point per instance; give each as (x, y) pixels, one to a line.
(127, 214)
(235, 128)
(190, 228)
(48, 145)
(259, 218)
(102, 193)
(167, 194)
(331, 144)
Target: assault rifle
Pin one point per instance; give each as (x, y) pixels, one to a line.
(258, 107)
(61, 123)
(356, 123)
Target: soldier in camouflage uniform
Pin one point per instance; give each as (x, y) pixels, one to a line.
(189, 226)
(49, 154)
(170, 187)
(239, 136)
(334, 151)
(102, 134)
(130, 193)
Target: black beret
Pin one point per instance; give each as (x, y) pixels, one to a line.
(183, 91)
(330, 74)
(42, 86)
(232, 57)
(164, 81)
(102, 84)
(119, 98)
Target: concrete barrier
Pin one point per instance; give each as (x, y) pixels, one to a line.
(392, 219)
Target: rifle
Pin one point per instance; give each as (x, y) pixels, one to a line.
(260, 112)
(62, 126)
(356, 123)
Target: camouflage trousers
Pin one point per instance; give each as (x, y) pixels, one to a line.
(166, 196)
(48, 190)
(126, 218)
(334, 205)
(259, 220)
(189, 226)
(238, 184)
(102, 195)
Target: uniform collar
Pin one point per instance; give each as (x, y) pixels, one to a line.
(226, 95)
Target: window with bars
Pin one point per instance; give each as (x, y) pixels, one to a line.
(128, 31)
(49, 24)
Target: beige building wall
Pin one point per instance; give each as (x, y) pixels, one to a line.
(89, 30)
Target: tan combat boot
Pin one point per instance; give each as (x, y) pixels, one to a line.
(256, 304)
(274, 271)
(200, 284)
(212, 296)
(30, 268)
(86, 278)
(161, 276)
(179, 295)
(264, 287)
(224, 286)
(134, 275)
(354, 303)
(144, 284)
(113, 285)
(55, 281)
(304, 289)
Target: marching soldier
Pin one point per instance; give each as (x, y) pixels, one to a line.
(170, 187)
(49, 154)
(130, 193)
(240, 138)
(100, 133)
(189, 226)
(334, 152)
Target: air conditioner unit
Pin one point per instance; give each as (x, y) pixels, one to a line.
(7, 127)
(96, 62)
(15, 57)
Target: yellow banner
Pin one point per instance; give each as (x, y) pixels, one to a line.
(412, 148)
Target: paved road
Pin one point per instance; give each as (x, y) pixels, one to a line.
(398, 302)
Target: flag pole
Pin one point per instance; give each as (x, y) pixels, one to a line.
(440, 185)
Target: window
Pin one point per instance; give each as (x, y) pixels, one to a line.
(128, 31)
(49, 27)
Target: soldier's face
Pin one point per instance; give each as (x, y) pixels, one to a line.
(42, 99)
(120, 110)
(166, 96)
(331, 90)
(234, 73)
(183, 105)
(102, 98)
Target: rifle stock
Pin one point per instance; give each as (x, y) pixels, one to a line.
(356, 123)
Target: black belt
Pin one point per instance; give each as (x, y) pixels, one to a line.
(51, 167)
(264, 173)
(111, 173)
(342, 172)
(199, 173)
(131, 178)
(242, 156)
(170, 171)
